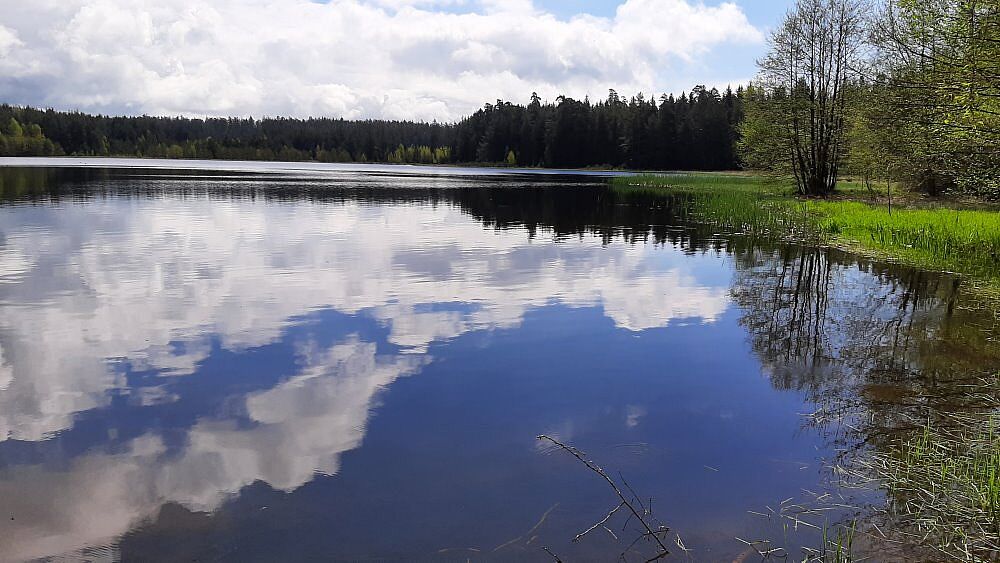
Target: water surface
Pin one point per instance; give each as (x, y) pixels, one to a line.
(270, 363)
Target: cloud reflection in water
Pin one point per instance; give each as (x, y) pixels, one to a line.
(156, 284)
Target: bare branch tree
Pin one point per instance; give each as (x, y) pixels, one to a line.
(802, 91)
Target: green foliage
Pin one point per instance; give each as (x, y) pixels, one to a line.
(872, 148)
(765, 134)
(19, 140)
(420, 155)
(941, 85)
(965, 241)
(13, 129)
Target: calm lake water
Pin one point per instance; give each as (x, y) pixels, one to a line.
(252, 362)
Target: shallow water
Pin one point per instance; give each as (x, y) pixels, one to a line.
(285, 362)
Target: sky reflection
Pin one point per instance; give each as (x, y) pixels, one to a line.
(126, 324)
(154, 282)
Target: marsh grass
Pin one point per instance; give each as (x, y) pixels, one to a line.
(964, 241)
(838, 544)
(813, 510)
(698, 181)
(938, 238)
(736, 203)
(944, 482)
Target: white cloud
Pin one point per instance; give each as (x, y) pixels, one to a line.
(8, 40)
(302, 426)
(634, 414)
(424, 59)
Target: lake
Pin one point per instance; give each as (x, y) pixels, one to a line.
(255, 361)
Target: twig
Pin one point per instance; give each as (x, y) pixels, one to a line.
(554, 556)
(599, 524)
(634, 495)
(596, 469)
(529, 532)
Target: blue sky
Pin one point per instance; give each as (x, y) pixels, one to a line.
(395, 59)
(763, 13)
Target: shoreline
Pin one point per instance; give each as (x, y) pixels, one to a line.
(939, 470)
(952, 236)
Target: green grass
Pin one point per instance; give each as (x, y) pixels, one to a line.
(945, 485)
(946, 239)
(939, 238)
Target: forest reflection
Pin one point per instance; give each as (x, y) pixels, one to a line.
(816, 315)
(827, 321)
(809, 312)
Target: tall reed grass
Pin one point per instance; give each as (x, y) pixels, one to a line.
(965, 241)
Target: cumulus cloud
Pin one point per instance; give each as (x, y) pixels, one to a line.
(415, 59)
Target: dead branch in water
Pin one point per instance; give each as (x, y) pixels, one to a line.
(554, 556)
(599, 524)
(625, 502)
(530, 533)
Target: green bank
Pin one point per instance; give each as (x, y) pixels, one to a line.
(893, 225)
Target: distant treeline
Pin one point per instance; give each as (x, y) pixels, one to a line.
(326, 140)
(696, 131)
(693, 132)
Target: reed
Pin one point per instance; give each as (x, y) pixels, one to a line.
(745, 205)
(964, 241)
(944, 483)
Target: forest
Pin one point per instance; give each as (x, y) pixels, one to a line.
(695, 131)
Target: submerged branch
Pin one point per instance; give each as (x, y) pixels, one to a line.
(663, 551)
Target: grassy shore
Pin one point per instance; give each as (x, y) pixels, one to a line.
(931, 235)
